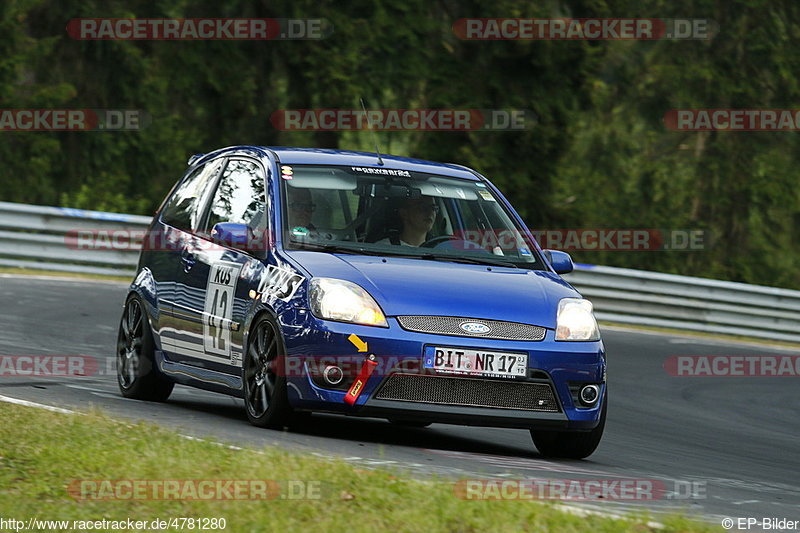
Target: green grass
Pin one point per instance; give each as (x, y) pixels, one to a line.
(42, 452)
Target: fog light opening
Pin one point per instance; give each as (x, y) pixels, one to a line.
(589, 394)
(333, 375)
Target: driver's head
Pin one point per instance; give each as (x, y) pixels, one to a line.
(418, 214)
(301, 207)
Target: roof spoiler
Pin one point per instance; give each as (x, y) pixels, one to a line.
(193, 159)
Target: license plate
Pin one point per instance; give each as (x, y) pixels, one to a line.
(482, 363)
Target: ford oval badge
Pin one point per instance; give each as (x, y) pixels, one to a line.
(475, 328)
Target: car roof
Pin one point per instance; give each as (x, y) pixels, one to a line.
(324, 156)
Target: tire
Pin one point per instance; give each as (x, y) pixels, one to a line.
(409, 423)
(571, 444)
(138, 376)
(265, 397)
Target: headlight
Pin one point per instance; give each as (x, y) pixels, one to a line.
(337, 299)
(575, 321)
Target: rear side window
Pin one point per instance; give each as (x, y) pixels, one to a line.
(239, 197)
(184, 207)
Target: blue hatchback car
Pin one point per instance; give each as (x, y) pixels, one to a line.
(305, 280)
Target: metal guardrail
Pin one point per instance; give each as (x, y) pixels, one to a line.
(41, 237)
(38, 237)
(697, 304)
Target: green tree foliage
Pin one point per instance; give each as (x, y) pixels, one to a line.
(625, 169)
(598, 156)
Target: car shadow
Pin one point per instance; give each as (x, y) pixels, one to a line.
(373, 430)
(379, 431)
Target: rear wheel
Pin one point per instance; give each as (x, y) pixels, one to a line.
(571, 444)
(138, 376)
(265, 397)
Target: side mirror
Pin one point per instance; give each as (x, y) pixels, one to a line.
(560, 261)
(232, 234)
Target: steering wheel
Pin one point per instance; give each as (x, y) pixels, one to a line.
(435, 241)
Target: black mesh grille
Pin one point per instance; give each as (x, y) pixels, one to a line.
(451, 325)
(469, 392)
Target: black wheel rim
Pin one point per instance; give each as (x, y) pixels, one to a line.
(129, 344)
(259, 374)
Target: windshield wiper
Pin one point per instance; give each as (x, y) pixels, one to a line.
(468, 260)
(333, 248)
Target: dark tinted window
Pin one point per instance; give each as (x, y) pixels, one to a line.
(239, 196)
(183, 208)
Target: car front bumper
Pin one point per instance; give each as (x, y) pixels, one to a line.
(557, 364)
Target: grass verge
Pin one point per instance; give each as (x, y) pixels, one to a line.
(42, 452)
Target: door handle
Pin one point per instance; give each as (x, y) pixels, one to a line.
(187, 259)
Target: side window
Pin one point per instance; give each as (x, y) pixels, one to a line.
(239, 196)
(184, 207)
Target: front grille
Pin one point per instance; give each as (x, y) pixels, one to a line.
(451, 325)
(469, 392)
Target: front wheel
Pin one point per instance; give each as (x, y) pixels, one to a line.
(265, 397)
(137, 374)
(571, 444)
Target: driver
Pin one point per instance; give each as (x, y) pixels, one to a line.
(416, 218)
(301, 207)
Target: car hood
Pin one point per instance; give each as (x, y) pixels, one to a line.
(404, 286)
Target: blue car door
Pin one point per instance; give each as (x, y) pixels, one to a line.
(215, 285)
(164, 244)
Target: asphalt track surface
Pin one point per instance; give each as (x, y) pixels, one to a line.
(737, 437)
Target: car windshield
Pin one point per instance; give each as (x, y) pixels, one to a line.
(399, 213)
